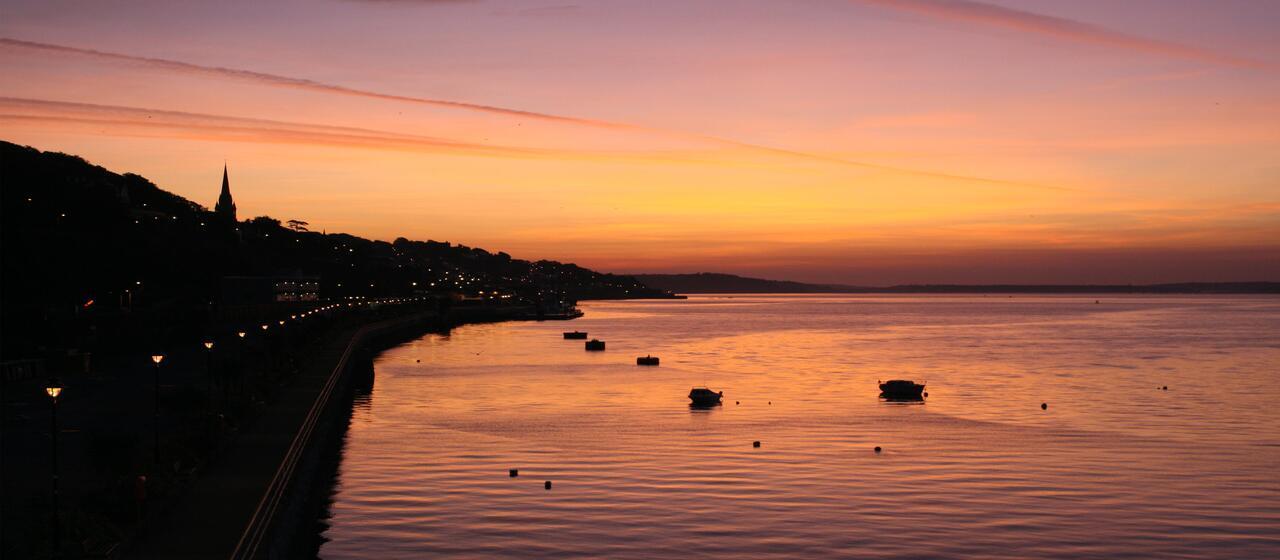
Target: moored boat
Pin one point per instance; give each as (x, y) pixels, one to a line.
(901, 389)
(702, 396)
(561, 315)
(575, 335)
(647, 361)
(557, 311)
(595, 345)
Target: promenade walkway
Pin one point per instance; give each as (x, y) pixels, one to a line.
(209, 519)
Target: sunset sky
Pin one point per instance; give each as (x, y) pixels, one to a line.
(856, 141)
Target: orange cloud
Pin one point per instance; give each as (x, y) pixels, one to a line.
(300, 83)
(967, 11)
(238, 129)
(311, 85)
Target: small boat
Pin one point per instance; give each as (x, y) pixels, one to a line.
(561, 315)
(902, 389)
(647, 361)
(702, 396)
(575, 335)
(595, 345)
(557, 311)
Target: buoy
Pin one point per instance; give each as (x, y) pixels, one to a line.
(1044, 406)
(770, 402)
(514, 472)
(926, 394)
(737, 402)
(419, 361)
(547, 485)
(877, 449)
(755, 444)
(1165, 388)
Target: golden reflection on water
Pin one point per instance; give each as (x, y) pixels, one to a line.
(1113, 467)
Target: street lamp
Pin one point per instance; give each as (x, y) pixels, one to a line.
(208, 372)
(53, 389)
(226, 381)
(157, 358)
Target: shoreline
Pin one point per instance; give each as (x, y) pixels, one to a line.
(253, 501)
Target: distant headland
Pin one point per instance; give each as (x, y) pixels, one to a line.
(716, 283)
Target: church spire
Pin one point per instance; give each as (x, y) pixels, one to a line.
(226, 208)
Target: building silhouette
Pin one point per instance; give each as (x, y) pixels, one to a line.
(226, 208)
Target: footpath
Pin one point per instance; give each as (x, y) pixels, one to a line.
(240, 506)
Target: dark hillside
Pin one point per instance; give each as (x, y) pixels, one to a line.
(79, 241)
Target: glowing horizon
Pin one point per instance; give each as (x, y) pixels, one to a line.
(845, 141)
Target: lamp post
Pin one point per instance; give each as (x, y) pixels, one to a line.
(208, 372)
(208, 390)
(226, 383)
(267, 343)
(157, 358)
(53, 389)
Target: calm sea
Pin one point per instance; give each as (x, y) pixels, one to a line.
(1116, 467)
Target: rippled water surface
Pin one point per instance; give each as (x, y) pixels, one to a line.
(1114, 468)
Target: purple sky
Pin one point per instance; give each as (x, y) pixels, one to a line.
(860, 141)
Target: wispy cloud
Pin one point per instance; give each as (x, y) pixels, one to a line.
(117, 120)
(122, 119)
(312, 85)
(302, 83)
(991, 15)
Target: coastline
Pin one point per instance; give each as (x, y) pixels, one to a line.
(253, 500)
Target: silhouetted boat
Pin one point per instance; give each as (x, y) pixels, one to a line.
(901, 389)
(560, 315)
(575, 335)
(557, 311)
(702, 396)
(647, 361)
(594, 344)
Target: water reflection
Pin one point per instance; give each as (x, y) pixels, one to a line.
(901, 400)
(973, 474)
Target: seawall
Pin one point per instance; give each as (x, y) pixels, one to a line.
(259, 500)
(293, 532)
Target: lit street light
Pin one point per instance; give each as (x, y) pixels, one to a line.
(208, 390)
(157, 358)
(53, 390)
(208, 371)
(226, 381)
